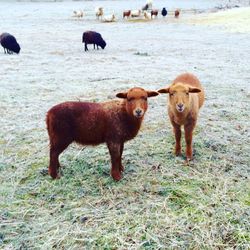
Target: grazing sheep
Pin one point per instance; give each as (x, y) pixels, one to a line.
(113, 123)
(109, 18)
(9, 43)
(99, 12)
(164, 12)
(92, 37)
(186, 96)
(145, 7)
(78, 13)
(126, 13)
(135, 13)
(154, 13)
(147, 15)
(176, 13)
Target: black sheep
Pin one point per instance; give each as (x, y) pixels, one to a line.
(9, 43)
(92, 37)
(164, 12)
(145, 7)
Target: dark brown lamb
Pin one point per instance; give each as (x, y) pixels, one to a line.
(92, 37)
(113, 123)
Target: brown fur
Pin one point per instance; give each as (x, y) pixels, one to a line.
(126, 13)
(113, 123)
(99, 12)
(186, 96)
(177, 13)
(154, 13)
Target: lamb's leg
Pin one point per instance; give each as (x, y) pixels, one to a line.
(94, 46)
(188, 137)
(86, 48)
(177, 133)
(54, 165)
(115, 153)
(121, 151)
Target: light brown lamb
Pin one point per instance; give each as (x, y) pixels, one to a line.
(186, 96)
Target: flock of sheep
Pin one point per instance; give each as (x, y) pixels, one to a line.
(147, 12)
(117, 121)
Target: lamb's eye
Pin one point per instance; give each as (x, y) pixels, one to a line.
(144, 98)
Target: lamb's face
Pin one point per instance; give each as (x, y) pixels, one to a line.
(103, 44)
(179, 95)
(136, 101)
(16, 48)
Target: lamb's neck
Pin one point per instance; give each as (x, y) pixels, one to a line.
(180, 117)
(132, 126)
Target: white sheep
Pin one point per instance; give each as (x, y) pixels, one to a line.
(150, 4)
(147, 15)
(99, 12)
(109, 18)
(135, 13)
(78, 13)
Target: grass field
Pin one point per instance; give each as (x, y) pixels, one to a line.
(161, 203)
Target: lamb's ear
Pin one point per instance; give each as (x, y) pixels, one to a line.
(194, 90)
(122, 95)
(164, 91)
(152, 93)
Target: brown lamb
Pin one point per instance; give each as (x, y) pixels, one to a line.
(126, 13)
(113, 123)
(186, 96)
(154, 13)
(177, 13)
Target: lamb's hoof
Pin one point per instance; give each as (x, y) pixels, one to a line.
(116, 175)
(188, 161)
(177, 152)
(58, 176)
(54, 175)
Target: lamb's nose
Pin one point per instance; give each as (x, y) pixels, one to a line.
(138, 112)
(180, 105)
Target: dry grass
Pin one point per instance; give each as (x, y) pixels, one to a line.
(160, 202)
(234, 20)
(139, 20)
